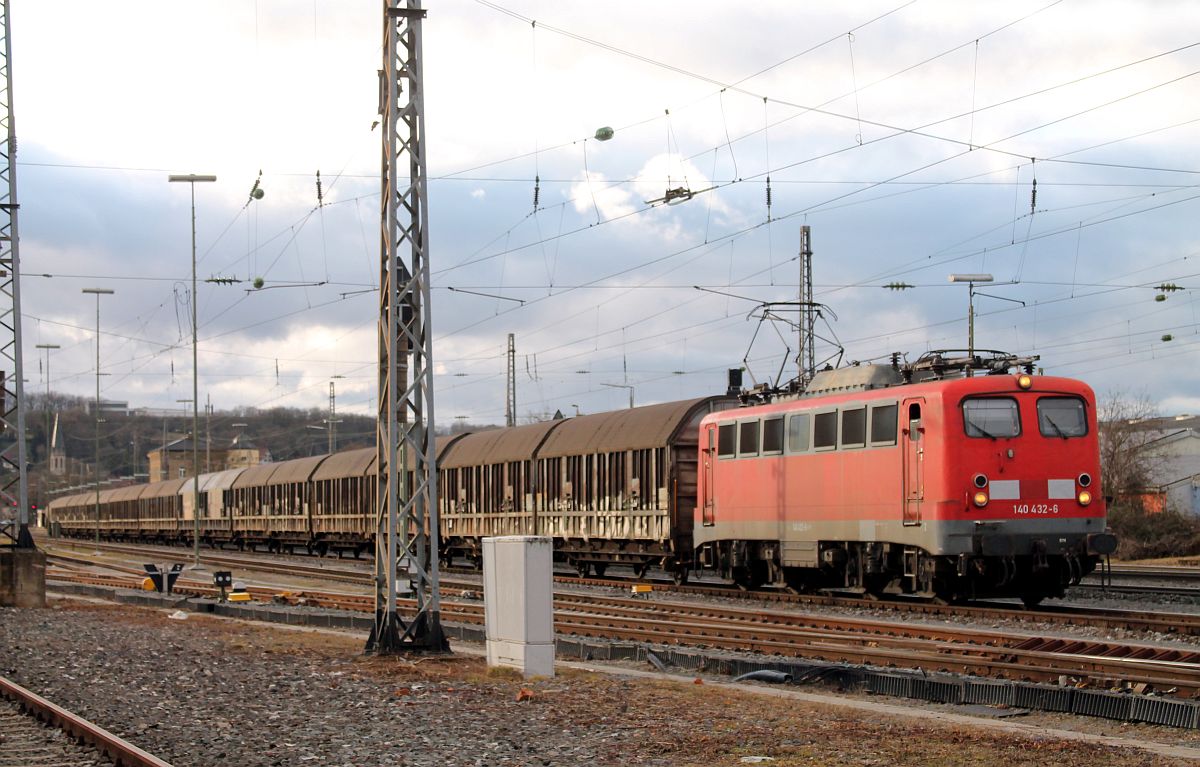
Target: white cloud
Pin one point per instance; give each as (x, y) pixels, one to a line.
(595, 195)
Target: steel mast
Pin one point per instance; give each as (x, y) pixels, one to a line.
(14, 488)
(406, 517)
(807, 358)
(510, 393)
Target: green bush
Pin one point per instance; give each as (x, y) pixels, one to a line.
(1143, 535)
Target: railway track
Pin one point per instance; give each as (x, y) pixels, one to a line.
(1153, 572)
(34, 731)
(1156, 621)
(975, 652)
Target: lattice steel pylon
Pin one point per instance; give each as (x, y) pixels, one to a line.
(406, 517)
(807, 358)
(14, 488)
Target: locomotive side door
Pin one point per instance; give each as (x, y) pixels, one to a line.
(914, 460)
(708, 454)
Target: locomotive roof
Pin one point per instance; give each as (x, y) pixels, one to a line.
(634, 429)
(499, 445)
(946, 388)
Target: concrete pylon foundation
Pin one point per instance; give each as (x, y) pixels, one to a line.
(22, 578)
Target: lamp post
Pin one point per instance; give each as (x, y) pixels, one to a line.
(191, 179)
(97, 292)
(48, 347)
(971, 279)
(195, 496)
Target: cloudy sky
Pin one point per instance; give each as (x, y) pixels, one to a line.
(907, 135)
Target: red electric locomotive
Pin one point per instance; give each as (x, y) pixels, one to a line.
(901, 480)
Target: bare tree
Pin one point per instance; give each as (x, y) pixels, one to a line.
(1126, 462)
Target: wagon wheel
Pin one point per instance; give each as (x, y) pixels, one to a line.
(599, 568)
(1032, 600)
(582, 569)
(641, 568)
(679, 576)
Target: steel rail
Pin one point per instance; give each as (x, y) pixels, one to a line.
(121, 752)
(279, 568)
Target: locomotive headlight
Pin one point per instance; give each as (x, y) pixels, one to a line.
(1084, 497)
(1024, 381)
(980, 499)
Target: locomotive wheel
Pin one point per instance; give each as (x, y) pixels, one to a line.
(802, 580)
(750, 577)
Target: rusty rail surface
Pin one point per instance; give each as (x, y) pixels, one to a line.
(120, 752)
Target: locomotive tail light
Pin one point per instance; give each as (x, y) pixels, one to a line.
(980, 481)
(1085, 480)
(1024, 381)
(1084, 497)
(980, 499)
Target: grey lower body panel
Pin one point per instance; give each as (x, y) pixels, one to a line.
(1009, 537)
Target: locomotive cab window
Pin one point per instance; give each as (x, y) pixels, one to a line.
(798, 432)
(991, 417)
(1061, 417)
(825, 427)
(748, 438)
(726, 442)
(772, 436)
(883, 425)
(854, 427)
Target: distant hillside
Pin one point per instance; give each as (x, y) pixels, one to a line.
(126, 438)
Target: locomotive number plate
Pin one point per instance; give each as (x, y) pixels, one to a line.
(1036, 508)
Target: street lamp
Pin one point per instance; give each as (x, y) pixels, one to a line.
(48, 347)
(191, 179)
(196, 496)
(97, 292)
(971, 279)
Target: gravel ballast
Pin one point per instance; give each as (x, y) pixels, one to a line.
(208, 691)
